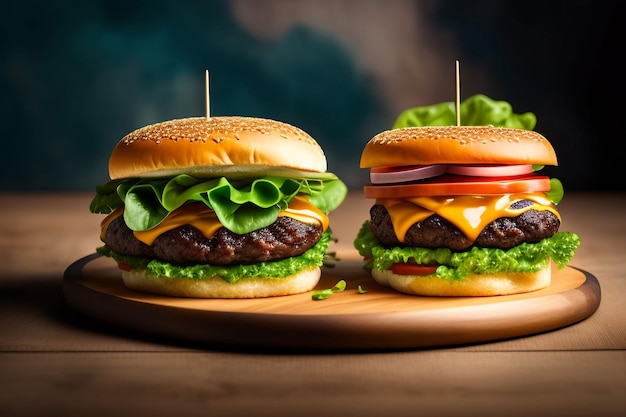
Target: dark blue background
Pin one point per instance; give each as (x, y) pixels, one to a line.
(77, 76)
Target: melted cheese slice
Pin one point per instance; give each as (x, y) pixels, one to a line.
(471, 214)
(204, 219)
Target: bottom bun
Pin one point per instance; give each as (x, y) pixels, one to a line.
(473, 285)
(141, 280)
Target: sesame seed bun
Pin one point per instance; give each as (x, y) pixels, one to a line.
(215, 146)
(457, 145)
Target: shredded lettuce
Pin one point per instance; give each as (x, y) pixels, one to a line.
(241, 205)
(319, 295)
(283, 268)
(477, 110)
(526, 257)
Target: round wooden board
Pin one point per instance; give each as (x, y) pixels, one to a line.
(379, 319)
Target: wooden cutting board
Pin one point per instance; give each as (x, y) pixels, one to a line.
(379, 319)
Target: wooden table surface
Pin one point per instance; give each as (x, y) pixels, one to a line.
(55, 361)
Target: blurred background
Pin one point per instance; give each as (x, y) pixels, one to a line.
(77, 76)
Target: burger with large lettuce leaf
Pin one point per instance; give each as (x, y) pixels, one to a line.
(220, 207)
(462, 210)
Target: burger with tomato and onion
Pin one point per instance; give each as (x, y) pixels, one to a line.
(220, 207)
(462, 210)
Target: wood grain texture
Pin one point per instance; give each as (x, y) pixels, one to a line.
(398, 384)
(379, 319)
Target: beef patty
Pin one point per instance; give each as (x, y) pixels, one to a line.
(437, 232)
(186, 245)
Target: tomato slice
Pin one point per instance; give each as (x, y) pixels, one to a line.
(386, 175)
(124, 266)
(413, 269)
(460, 185)
(490, 170)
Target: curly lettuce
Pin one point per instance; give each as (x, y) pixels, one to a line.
(477, 110)
(526, 257)
(241, 206)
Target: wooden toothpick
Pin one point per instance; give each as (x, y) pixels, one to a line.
(206, 87)
(458, 95)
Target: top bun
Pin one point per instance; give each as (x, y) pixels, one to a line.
(457, 145)
(213, 146)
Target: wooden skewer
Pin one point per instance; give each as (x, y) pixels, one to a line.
(458, 95)
(206, 87)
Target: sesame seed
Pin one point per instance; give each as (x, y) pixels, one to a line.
(216, 129)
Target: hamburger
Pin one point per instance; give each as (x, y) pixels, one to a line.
(463, 210)
(220, 207)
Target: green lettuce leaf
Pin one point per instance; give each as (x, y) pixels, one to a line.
(143, 208)
(312, 258)
(556, 191)
(241, 205)
(106, 199)
(526, 257)
(477, 110)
